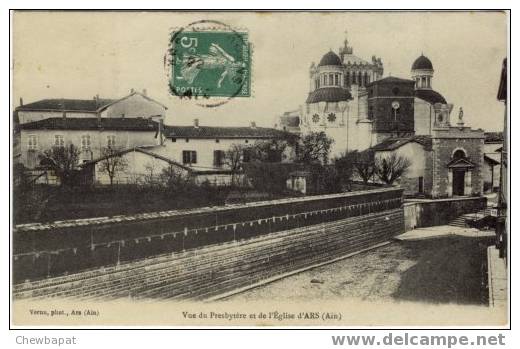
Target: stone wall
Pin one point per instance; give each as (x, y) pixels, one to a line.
(445, 143)
(215, 270)
(427, 213)
(44, 250)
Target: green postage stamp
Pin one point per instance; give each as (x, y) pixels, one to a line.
(213, 62)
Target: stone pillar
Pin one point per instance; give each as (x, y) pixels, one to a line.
(450, 182)
(467, 183)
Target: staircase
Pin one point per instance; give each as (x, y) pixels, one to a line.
(461, 220)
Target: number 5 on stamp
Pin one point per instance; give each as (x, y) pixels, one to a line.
(210, 64)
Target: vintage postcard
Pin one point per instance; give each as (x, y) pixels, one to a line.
(259, 168)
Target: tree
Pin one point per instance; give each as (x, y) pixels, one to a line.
(314, 147)
(392, 167)
(364, 165)
(174, 179)
(63, 161)
(345, 166)
(112, 163)
(268, 151)
(234, 157)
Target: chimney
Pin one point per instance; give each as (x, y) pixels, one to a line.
(21, 101)
(253, 124)
(132, 90)
(196, 123)
(144, 91)
(96, 98)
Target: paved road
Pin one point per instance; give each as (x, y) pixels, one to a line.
(438, 270)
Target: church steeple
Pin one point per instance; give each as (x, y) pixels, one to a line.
(346, 49)
(422, 72)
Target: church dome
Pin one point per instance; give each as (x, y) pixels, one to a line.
(430, 96)
(330, 58)
(422, 63)
(329, 94)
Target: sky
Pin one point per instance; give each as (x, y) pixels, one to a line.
(83, 54)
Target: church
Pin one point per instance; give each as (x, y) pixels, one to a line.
(351, 101)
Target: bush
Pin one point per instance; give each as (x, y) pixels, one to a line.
(270, 177)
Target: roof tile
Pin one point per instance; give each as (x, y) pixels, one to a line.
(127, 124)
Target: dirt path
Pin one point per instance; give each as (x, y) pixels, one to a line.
(440, 270)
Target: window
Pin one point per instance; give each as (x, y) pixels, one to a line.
(315, 118)
(331, 79)
(32, 142)
(111, 141)
(218, 158)
(85, 142)
(174, 140)
(459, 154)
(59, 141)
(421, 185)
(325, 80)
(247, 141)
(189, 157)
(187, 140)
(217, 140)
(331, 117)
(336, 79)
(347, 79)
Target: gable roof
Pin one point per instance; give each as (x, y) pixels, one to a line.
(460, 163)
(222, 132)
(397, 142)
(62, 104)
(79, 105)
(123, 124)
(143, 150)
(130, 95)
(494, 137)
(491, 160)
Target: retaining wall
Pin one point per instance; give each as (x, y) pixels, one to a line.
(61, 248)
(214, 270)
(428, 213)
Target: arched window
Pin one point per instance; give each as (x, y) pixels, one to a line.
(325, 80)
(459, 154)
(366, 79)
(360, 79)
